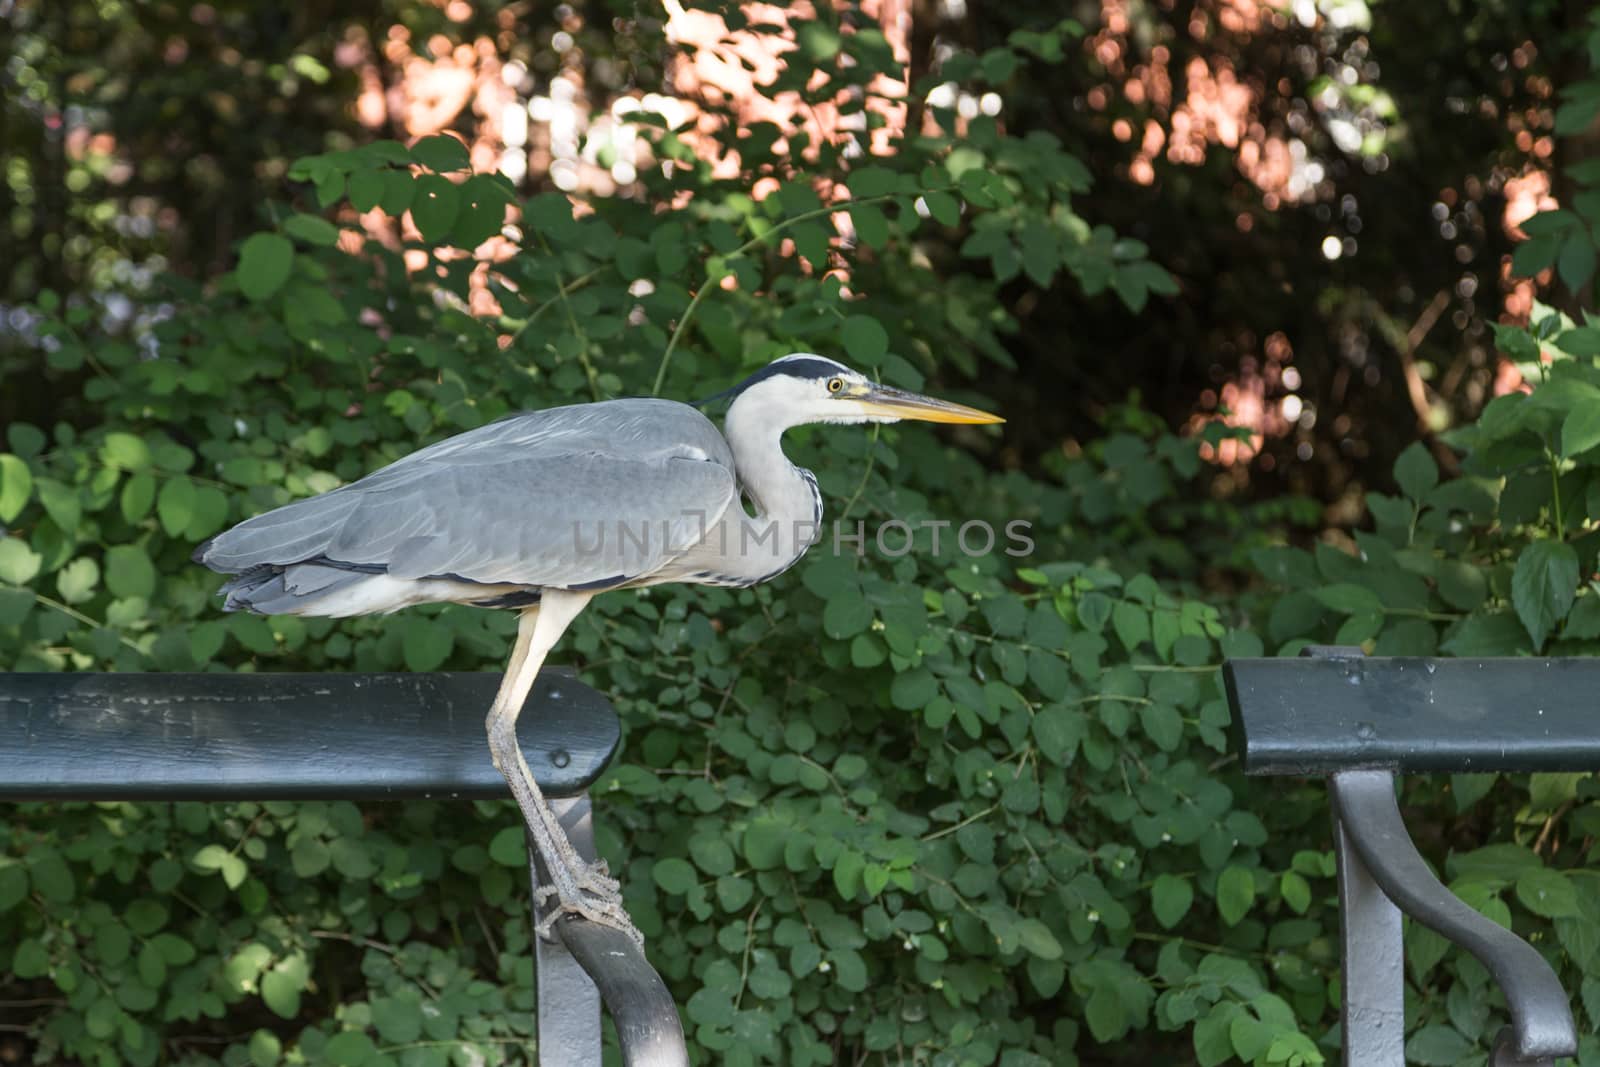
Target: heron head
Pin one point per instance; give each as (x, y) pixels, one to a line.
(802, 388)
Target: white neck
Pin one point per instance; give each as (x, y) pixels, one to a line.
(787, 503)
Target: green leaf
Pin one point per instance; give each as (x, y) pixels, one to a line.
(309, 857)
(30, 960)
(1132, 624)
(1543, 587)
(1250, 1036)
(1575, 265)
(846, 615)
(441, 153)
(1533, 255)
(350, 1048)
(434, 209)
(282, 985)
(864, 339)
(675, 875)
(945, 209)
(399, 190)
(77, 580)
(124, 451)
(1236, 891)
(818, 40)
(145, 916)
(764, 840)
(111, 943)
(1170, 899)
(330, 187)
(1213, 1043)
(1462, 585)
(850, 970)
(52, 878)
(484, 199)
(1547, 892)
(426, 644)
(1438, 1046)
(399, 1019)
(1036, 938)
(911, 691)
(312, 229)
(1163, 724)
(871, 181)
(18, 562)
(847, 873)
(1416, 471)
(13, 886)
(1296, 891)
(1495, 634)
(1349, 598)
(366, 189)
(264, 264)
(1580, 341)
(509, 847)
(16, 486)
(1106, 1014)
(129, 572)
(265, 1049)
(1581, 429)
(138, 496)
(871, 225)
(175, 505)
(61, 503)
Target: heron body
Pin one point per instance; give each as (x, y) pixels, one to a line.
(544, 510)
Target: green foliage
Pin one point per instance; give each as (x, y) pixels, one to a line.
(151, 920)
(1566, 238)
(927, 807)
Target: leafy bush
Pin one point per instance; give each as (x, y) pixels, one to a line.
(924, 807)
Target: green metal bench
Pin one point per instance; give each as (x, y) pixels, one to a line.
(1363, 721)
(158, 737)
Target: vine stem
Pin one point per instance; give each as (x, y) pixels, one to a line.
(710, 283)
(562, 292)
(73, 613)
(1555, 492)
(872, 459)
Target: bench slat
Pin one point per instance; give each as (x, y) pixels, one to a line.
(287, 736)
(1321, 715)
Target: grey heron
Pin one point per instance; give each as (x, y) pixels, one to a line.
(544, 510)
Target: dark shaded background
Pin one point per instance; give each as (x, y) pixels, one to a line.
(148, 142)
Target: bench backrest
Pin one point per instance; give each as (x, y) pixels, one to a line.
(287, 736)
(1333, 713)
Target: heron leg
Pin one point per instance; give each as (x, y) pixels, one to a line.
(581, 887)
(506, 702)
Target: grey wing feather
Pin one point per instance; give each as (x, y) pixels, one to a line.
(564, 497)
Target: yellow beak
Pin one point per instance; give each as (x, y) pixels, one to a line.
(899, 404)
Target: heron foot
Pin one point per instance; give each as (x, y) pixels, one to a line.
(605, 909)
(591, 879)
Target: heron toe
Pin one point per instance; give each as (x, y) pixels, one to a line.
(595, 878)
(596, 909)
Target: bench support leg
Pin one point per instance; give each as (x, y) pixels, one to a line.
(587, 961)
(568, 1002)
(1372, 832)
(1372, 979)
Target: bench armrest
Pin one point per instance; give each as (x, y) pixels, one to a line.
(287, 736)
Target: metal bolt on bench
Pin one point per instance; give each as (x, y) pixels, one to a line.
(1361, 721)
(157, 737)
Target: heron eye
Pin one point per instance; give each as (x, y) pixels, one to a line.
(835, 384)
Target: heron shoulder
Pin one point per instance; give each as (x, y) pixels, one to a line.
(634, 428)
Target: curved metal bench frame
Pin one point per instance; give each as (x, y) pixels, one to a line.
(158, 737)
(1363, 721)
